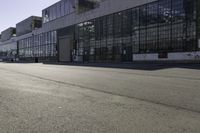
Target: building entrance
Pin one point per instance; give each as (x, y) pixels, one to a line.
(127, 55)
(65, 46)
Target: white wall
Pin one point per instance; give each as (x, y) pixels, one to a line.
(171, 56)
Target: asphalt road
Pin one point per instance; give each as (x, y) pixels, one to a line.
(38, 98)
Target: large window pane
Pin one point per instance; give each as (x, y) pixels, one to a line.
(126, 23)
(152, 14)
(143, 16)
(118, 24)
(152, 39)
(135, 18)
(164, 43)
(143, 40)
(178, 11)
(135, 41)
(165, 12)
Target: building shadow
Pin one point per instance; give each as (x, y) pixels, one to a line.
(148, 66)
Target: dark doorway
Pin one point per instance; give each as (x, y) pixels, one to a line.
(65, 46)
(127, 55)
(36, 60)
(86, 56)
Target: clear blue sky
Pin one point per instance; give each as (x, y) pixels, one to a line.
(14, 11)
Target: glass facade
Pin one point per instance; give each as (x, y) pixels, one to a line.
(160, 26)
(157, 27)
(8, 51)
(86, 5)
(42, 45)
(58, 10)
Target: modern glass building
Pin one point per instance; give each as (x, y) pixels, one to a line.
(115, 31)
(8, 50)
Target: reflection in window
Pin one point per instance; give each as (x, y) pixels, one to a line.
(86, 5)
(179, 36)
(178, 11)
(152, 39)
(135, 41)
(161, 26)
(58, 10)
(117, 25)
(143, 16)
(135, 18)
(143, 40)
(42, 45)
(164, 12)
(152, 14)
(164, 43)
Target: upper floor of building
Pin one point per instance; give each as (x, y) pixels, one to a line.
(8, 34)
(66, 7)
(28, 25)
(65, 13)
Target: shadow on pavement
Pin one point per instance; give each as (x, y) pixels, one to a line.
(135, 66)
(148, 66)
